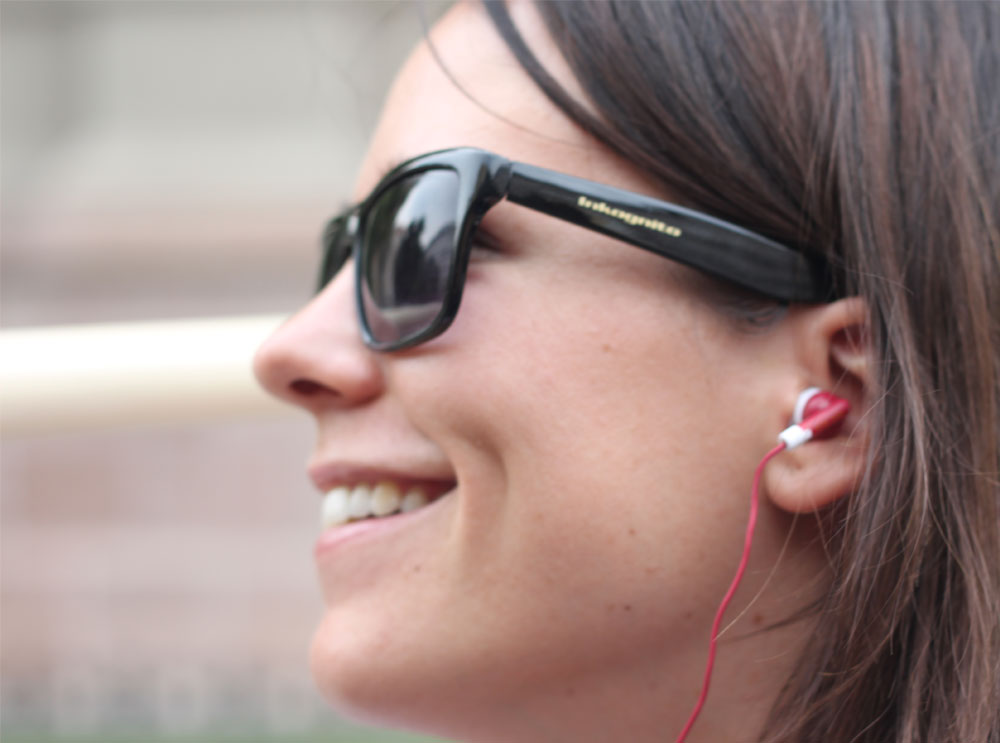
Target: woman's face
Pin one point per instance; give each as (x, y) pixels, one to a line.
(595, 423)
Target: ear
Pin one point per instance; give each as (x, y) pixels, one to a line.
(833, 353)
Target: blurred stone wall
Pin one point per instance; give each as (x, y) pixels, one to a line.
(166, 160)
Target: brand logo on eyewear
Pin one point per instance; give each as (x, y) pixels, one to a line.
(630, 218)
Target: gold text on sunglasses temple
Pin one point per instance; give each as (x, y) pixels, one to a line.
(628, 217)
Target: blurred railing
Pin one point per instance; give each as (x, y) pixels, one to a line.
(75, 377)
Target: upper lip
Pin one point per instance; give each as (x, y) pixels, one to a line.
(328, 475)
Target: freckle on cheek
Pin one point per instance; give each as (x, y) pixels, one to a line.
(612, 608)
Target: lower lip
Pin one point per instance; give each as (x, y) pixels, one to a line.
(334, 538)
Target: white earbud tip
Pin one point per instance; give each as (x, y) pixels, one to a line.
(800, 404)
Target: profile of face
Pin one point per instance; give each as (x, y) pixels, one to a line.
(591, 424)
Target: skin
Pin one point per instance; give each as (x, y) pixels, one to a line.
(602, 423)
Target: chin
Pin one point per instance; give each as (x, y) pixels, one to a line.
(374, 679)
(414, 682)
(349, 669)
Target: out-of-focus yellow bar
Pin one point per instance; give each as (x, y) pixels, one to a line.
(75, 377)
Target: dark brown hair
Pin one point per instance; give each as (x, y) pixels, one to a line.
(870, 132)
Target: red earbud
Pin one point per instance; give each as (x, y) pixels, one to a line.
(818, 414)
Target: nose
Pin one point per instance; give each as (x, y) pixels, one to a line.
(317, 359)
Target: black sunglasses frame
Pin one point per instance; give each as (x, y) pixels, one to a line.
(717, 247)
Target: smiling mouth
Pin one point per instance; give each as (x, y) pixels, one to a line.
(346, 504)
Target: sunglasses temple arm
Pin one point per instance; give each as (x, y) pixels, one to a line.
(717, 247)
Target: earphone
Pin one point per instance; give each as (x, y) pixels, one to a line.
(818, 414)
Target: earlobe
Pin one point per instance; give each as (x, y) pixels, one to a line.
(816, 474)
(833, 353)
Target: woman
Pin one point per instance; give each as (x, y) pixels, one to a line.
(566, 461)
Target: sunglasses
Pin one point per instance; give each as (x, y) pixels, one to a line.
(411, 239)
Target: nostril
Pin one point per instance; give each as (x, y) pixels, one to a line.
(308, 388)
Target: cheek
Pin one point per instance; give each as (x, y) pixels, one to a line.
(562, 359)
(588, 408)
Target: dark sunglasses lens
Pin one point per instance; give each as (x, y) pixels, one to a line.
(336, 249)
(408, 255)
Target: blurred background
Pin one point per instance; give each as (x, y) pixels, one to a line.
(165, 169)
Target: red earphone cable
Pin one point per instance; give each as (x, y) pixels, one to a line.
(748, 541)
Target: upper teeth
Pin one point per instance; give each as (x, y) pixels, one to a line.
(343, 504)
